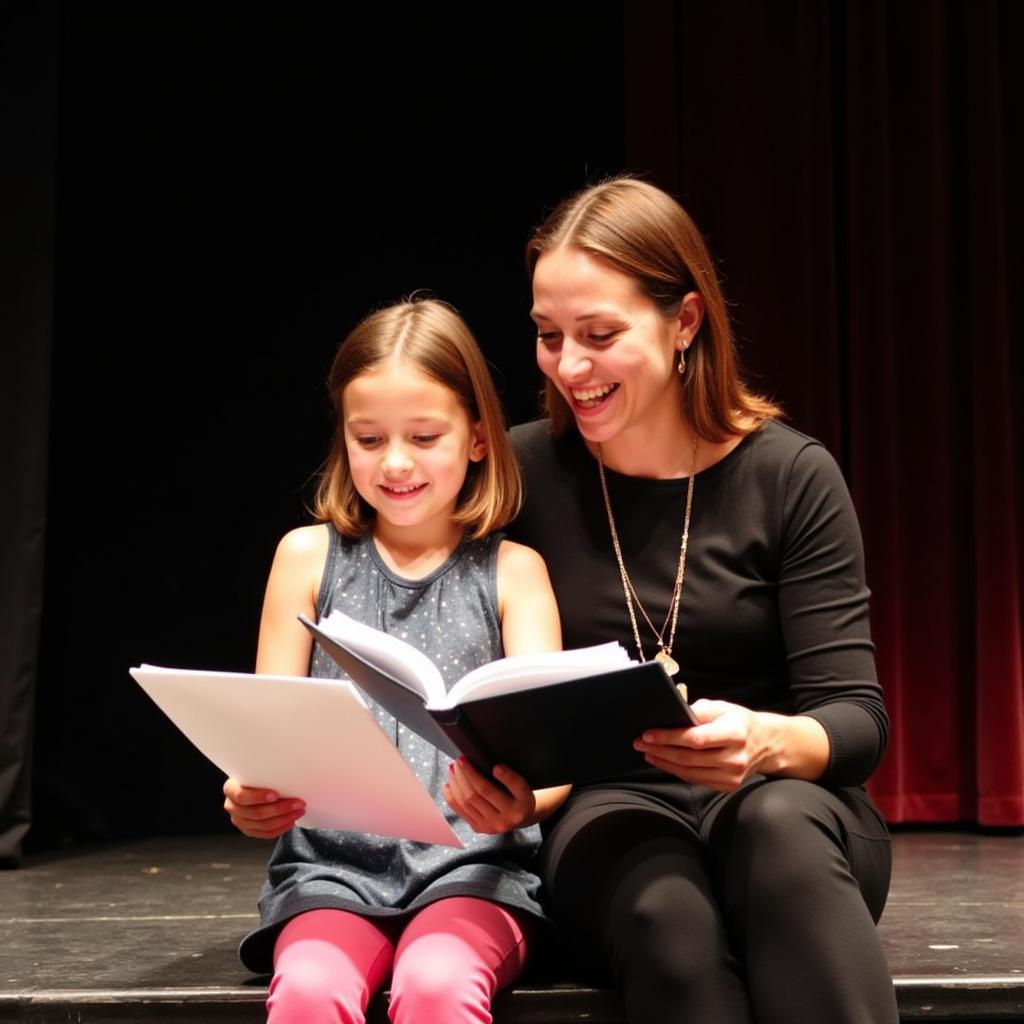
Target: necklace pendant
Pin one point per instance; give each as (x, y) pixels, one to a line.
(670, 665)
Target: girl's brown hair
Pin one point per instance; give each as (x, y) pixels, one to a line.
(430, 336)
(640, 230)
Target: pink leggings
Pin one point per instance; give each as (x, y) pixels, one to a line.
(445, 964)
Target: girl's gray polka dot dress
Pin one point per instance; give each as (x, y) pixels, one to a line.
(452, 616)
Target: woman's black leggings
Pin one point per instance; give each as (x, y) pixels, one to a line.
(764, 910)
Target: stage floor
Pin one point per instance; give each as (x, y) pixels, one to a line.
(115, 922)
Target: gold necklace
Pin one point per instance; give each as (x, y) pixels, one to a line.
(664, 654)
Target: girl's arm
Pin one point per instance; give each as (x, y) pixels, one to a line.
(284, 649)
(285, 645)
(529, 624)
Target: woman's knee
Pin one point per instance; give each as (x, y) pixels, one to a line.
(666, 943)
(772, 807)
(777, 828)
(779, 838)
(662, 925)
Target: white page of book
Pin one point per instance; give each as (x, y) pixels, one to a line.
(527, 671)
(308, 738)
(396, 657)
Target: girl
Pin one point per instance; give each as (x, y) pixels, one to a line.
(420, 476)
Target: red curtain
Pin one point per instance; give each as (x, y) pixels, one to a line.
(853, 165)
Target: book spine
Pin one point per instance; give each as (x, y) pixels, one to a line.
(458, 729)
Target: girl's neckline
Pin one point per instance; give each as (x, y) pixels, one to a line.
(404, 581)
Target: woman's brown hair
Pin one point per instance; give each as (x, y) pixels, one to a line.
(638, 229)
(430, 336)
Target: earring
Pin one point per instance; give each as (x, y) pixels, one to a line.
(682, 362)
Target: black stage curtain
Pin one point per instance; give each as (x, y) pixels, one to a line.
(237, 187)
(235, 191)
(28, 98)
(853, 165)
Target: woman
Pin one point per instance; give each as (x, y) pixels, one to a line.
(740, 876)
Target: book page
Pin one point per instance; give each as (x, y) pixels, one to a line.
(391, 653)
(309, 738)
(527, 671)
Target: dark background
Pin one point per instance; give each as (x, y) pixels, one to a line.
(201, 200)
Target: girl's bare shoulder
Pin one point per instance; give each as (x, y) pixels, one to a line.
(305, 542)
(301, 555)
(519, 562)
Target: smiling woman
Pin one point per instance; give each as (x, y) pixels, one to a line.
(611, 353)
(739, 877)
(664, 268)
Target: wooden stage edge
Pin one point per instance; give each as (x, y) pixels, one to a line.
(146, 931)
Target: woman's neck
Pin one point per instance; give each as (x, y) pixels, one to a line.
(413, 552)
(662, 452)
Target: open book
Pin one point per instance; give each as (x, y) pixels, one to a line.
(565, 716)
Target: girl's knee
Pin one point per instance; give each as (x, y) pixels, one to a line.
(453, 956)
(438, 983)
(327, 964)
(307, 991)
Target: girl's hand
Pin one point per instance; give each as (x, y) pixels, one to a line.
(260, 813)
(731, 743)
(489, 807)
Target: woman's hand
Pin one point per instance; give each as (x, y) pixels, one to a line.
(260, 813)
(730, 743)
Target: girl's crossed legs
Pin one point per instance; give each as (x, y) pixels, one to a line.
(446, 964)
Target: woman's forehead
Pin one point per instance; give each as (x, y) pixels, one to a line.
(569, 278)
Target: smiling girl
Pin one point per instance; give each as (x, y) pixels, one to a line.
(420, 478)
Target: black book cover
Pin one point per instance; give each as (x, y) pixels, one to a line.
(572, 731)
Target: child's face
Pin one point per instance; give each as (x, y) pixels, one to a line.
(409, 442)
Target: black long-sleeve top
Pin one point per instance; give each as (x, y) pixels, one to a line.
(774, 611)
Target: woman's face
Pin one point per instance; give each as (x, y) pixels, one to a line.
(607, 347)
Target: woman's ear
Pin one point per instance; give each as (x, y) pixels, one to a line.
(477, 442)
(690, 317)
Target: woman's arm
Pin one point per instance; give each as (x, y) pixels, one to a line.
(529, 624)
(840, 728)
(284, 649)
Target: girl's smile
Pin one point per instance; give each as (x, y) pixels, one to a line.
(409, 443)
(401, 493)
